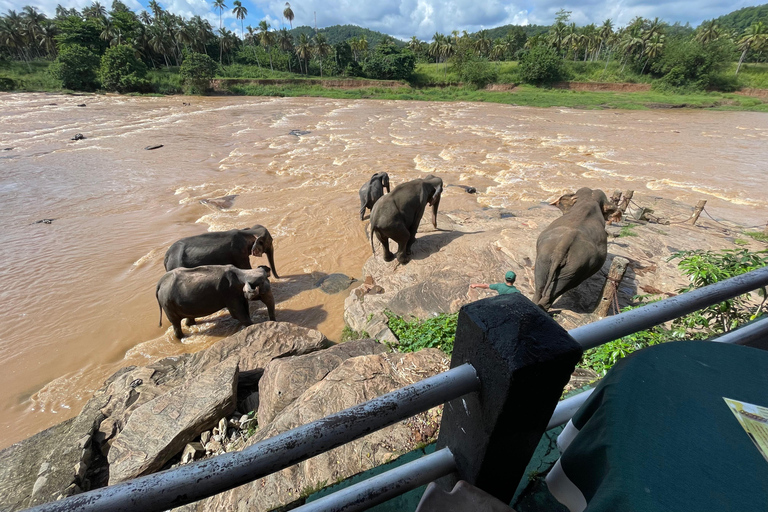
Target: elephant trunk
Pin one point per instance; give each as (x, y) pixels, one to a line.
(435, 204)
(271, 258)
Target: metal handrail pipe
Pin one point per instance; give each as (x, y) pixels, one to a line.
(567, 408)
(755, 331)
(385, 486)
(645, 317)
(186, 484)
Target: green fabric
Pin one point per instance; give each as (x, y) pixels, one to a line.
(656, 435)
(503, 288)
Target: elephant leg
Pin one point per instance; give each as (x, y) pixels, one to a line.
(176, 323)
(388, 256)
(239, 311)
(269, 301)
(190, 321)
(403, 239)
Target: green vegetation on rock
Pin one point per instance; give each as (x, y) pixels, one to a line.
(415, 334)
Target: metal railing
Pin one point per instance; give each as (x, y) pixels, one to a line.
(193, 482)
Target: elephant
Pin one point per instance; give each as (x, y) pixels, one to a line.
(397, 215)
(572, 248)
(194, 292)
(372, 191)
(231, 247)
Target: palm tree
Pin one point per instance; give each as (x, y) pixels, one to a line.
(605, 33)
(288, 14)
(321, 49)
(95, 10)
(47, 39)
(708, 32)
(157, 11)
(483, 43)
(267, 39)
(220, 5)
(285, 40)
(754, 37)
(653, 49)
(304, 50)
(240, 13)
(228, 41)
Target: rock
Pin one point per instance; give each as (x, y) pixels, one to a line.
(81, 105)
(298, 132)
(286, 378)
(192, 452)
(580, 378)
(44, 221)
(205, 437)
(213, 447)
(156, 146)
(251, 403)
(356, 380)
(159, 429)
(78, 136)
(334, 283)
(220, 203)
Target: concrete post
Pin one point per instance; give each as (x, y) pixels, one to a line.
(524, 360)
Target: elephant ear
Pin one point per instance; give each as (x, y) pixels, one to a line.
(258, 242)
(565, 202)
(435, 197)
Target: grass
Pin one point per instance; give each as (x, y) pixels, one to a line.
(349, 334)
(32, 77)
(627, 231)
(757, 235)
(413, 335)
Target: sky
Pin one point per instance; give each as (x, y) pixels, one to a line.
(422, 18)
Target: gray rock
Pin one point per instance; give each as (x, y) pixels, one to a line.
(334, 283)
(192, 452)
(160, 428)
(286, 378)
(251, 402)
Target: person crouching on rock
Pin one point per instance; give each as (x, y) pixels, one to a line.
(503, 288)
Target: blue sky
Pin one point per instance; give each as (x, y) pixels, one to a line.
(405, 18)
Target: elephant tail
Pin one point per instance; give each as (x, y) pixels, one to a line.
(373, 249)
(161, 310)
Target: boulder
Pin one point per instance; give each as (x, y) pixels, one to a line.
(286, 378)
(334, 283)
(161, 428)
(356, 380)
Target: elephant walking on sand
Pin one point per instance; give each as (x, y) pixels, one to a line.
(572, 248)
(231, 247)
(372, 191)
(194, 292)
(397, 215)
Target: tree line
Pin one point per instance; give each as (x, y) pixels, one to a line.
(156, 38)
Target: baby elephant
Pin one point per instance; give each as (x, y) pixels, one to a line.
(194, 292)
(372, 191)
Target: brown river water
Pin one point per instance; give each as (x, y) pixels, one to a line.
(77, 295)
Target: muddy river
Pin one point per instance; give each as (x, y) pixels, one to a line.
(77, 293)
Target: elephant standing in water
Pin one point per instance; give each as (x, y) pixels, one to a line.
(372, 191)
(231, 247)
(194, 292)
(572, 248)
(397, 215)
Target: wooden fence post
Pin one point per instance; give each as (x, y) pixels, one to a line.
(765, 229)
(697, 211)
(625, 200)
(611, 286)
(616, 197)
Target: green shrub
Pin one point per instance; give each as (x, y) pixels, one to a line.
(627, 231)
(436, 332)
(7, 84)
(477, 73)
(121, 71)
(757, 235)
(76, 67)
(541, 65)
(687, 63)
(389, 63)
(349, 334)
(196, 72)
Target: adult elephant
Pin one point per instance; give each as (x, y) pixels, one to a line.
(194, 292)
(372, 191)
(397, 215)
(231, 247)
(572, 248)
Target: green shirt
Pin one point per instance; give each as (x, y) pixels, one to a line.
(503, 288)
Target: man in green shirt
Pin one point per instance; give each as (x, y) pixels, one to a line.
(503, 288)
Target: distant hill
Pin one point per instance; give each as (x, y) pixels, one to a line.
(338, 33)
(530, 30)
(744, 18)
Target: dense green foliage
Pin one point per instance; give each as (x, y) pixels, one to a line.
(412, 335)
(541, 65)
(76, 67)
(690, 63)
(389, 63)
(741, 20)
(702, 269)
(121, 71)
(477, 73)
(339, 33)
(196, 73)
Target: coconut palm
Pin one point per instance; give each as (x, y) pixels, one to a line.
(288, 14)
(483, 43)
(47, 38)
(653, 49)
(240, 13)
(708, 32)
(157, 11)
(220, 5)
(95, 10)
(267, 39)
(414, 44)
(304, 50)
(754, 37)
(321, 49)
(228, 41)
(285, 41)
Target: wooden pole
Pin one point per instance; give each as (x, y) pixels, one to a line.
(765, 229)
(697, 211)
(625, 200)
(616, 197)
(611, 287)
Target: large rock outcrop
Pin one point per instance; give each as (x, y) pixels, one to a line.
(356, 380)
(286, 378)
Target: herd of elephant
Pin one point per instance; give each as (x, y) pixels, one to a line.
(212, 271)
